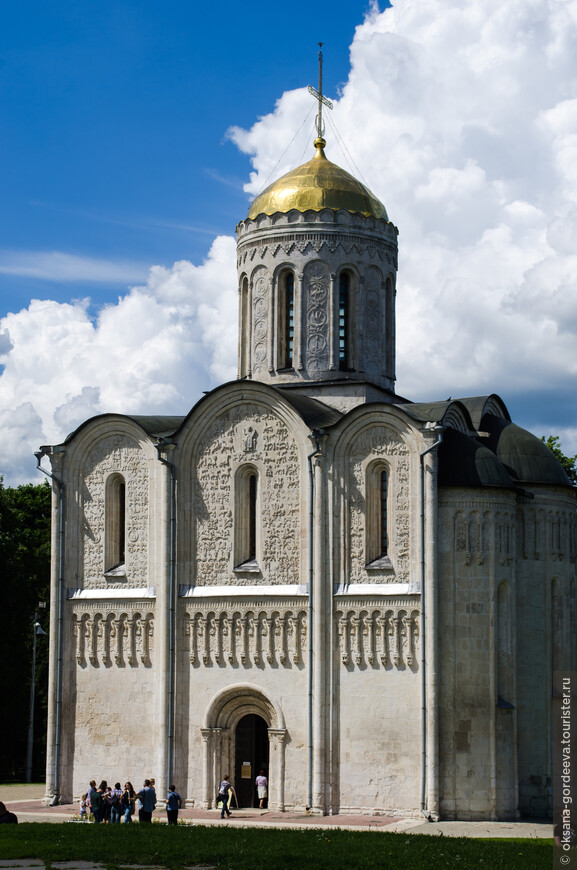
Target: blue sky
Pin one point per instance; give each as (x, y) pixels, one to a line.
(133, 134)
(113, 122)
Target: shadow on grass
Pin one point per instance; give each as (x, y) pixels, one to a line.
(252, 849)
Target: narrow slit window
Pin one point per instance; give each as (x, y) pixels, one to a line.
(251, 555)
(115, 528)
(344, 320)
(121, 521)
(384, 484)
(246, 520)
(288, 320)
(377, 518)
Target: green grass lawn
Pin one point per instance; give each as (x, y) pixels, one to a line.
(253, 849)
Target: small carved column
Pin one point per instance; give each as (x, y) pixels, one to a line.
(207, 766)
(333, 317)
(248, 335)
(277, 737)
(272, 326)
(299, 315)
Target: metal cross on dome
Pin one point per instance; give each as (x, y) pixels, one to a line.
(318, 95)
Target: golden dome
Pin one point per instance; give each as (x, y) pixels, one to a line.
(316, 185)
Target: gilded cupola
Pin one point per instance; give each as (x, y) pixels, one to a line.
(316, 185)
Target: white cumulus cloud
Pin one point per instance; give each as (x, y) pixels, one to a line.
(462, 119)
(151, 353)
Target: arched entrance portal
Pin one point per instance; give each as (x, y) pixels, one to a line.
(243, 726)
(251, 754)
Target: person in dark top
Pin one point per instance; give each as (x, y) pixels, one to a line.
(6, 817)
(172, 805)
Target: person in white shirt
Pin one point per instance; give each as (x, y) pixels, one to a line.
(261, 783)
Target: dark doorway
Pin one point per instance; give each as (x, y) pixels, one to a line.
(251, 756)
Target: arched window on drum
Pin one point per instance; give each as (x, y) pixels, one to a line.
(286, 320)
(345, 316)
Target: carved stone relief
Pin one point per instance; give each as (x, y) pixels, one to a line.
(316, 288)
(247, 434)
(473, 536)
(105, 638)
(115, 454)
(246, 637)
(380, 441)
(260, 320)
(346, 245)
(373, 327)
(383, 637)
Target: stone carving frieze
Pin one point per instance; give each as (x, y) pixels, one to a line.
(383, 637)
(115, 454)
(376, 250)
(245, 636)
(247, 434)
(122, 638)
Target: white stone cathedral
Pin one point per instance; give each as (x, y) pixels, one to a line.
(308, 574)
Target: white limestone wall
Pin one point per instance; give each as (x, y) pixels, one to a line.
(114, 724)
(546, 617)
(477, 739)
(109, 721)
(377, 723)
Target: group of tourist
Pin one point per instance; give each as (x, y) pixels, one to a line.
(107, 804)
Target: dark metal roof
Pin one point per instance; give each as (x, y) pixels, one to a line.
(315, 414)
(155, 426)
(159, 426)
(463, 461)
(434, 412)
(524, 456)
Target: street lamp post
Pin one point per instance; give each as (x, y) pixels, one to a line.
(37, 631)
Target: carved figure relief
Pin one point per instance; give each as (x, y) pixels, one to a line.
(274, 453)
(245, 637)
(119, 639)
(377, 637)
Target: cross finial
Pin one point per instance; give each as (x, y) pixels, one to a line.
(319, 96)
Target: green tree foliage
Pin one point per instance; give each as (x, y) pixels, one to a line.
(569, 463)
(24, 582)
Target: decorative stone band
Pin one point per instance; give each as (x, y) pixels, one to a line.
(245, 636)
(284, 247)
(105, 638)
(378, 637)
(108, 594)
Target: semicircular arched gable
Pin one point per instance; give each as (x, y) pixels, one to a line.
(229, 705)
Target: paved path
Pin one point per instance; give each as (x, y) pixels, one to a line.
(26, 802)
